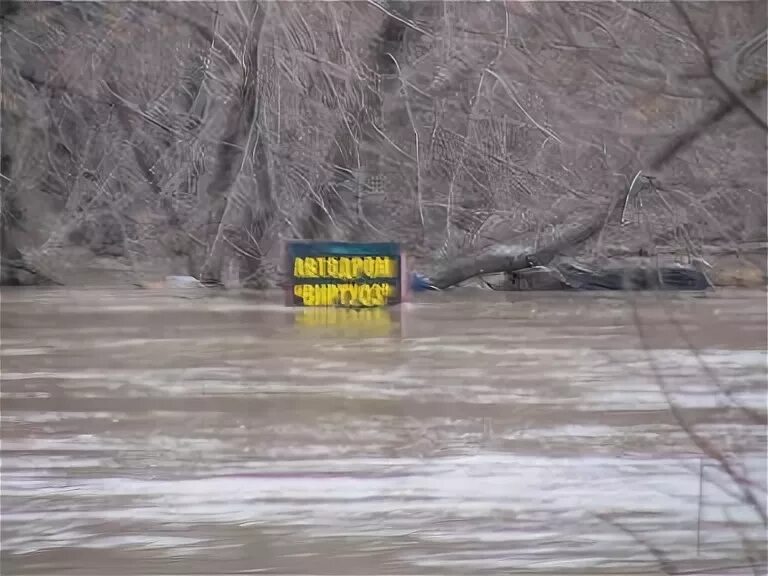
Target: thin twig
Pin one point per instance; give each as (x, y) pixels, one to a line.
(511, 94)
(409, 23)
(733, 96)
(707, 448)
(404, 92)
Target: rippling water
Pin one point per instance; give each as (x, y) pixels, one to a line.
(176, 433)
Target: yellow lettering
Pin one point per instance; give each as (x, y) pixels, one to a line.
(369, 266)
(375, 295)
(357, 267)
(346, 299)
(364, 294)
(333, 294)
(321, 295)
(345, 268)
(385, 291)
(333, 267)
(298, 267)
(369, 320)
(308, 295)
(344, 295)
(348, 294)
(385, 268)
(310, 267)
(345, 272)
(380, 266)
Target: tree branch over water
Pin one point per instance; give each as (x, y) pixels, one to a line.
(456, 129)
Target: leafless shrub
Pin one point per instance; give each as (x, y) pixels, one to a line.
(451, 127)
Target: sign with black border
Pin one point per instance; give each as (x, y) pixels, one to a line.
(344, 274)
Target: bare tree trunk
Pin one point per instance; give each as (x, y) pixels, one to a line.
(342, 153)
(513, 258)
(243, 143)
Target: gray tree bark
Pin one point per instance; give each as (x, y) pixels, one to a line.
(243, 143)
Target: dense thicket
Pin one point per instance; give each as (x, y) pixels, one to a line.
(200, 134)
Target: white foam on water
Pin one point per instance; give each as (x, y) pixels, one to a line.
(497, 500)
(171, 461)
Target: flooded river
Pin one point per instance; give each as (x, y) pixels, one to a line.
(468, 433)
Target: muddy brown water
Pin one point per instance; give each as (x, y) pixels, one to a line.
(149, 432)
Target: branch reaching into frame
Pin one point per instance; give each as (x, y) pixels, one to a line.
(733, 96)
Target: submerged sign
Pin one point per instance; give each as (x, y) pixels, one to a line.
(373, 322)
(357, 275)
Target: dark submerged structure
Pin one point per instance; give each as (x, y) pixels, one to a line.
(573, 276)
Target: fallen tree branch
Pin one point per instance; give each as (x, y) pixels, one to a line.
(514, 258)
(12, 267)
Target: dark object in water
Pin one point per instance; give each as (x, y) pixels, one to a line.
(570, 276)
(17, 272)
(421, 283)
(669, 277)
(534, 278)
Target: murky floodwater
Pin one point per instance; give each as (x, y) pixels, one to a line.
(159, 433)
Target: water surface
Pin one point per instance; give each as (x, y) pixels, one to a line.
(469, 433)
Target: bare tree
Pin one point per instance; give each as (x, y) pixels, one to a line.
(484, 137)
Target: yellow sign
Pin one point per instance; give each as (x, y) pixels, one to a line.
(334, 321)
(366, 275)
(362, 295)
(345, 268)
(369, 317)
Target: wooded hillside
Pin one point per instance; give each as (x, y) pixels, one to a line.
(191, 137)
